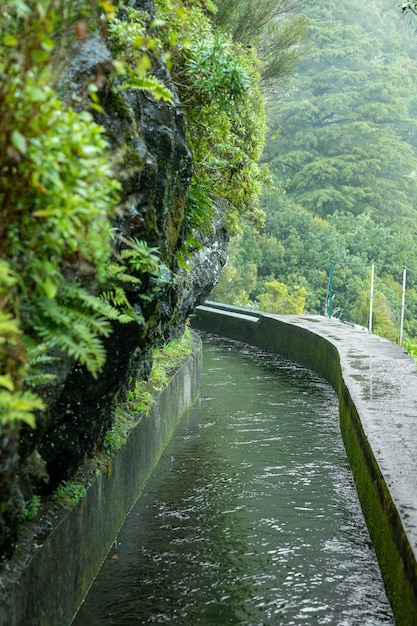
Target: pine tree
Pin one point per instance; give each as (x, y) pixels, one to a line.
(347, 139)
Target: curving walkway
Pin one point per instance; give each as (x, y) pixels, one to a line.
(376, 382)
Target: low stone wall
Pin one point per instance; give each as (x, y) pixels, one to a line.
(48, 589)
(376, 383)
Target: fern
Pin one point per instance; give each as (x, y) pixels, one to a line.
(73, 331)
(38, 359)
(117, 298)
(75, 321)
(149, 84)
(200, 209)
(77, 341)
(72, 292)
(8, 326)
(115, 272)
(143, 259)
(17, 406)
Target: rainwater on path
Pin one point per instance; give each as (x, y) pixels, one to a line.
(251, 516)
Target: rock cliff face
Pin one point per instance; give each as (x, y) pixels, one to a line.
(155, 169)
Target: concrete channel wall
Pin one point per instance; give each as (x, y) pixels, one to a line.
(376, 383)
(47, 588)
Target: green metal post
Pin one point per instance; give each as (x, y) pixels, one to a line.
(331, 289)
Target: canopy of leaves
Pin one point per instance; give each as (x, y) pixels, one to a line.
(346, 139)
(343, 154)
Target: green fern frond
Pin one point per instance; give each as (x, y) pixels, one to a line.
(96, 311)
(37, 379)
(118, 298)
(200, 209)
(76, 320)
(120, 273)
(82, 345)
(19, 406)
(150, 84)
(72, 331)
(8, 325)
(72, 319)
(144, 259)
(88, 302)
(38, 358)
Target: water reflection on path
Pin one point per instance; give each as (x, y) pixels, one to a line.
(251, 517)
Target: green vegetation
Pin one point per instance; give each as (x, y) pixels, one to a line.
(218, 84)
(68, 494)
(139, 399)
(32, 508)
(60, 287)
(58, 195)
(272, 28)
(166, 359)
(132, 47)
(342, 153)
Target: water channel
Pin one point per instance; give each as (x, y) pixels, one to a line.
(251, 516)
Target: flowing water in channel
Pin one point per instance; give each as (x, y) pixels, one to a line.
(251, 516)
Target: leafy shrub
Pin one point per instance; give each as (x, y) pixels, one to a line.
(218, 83)
(210, 67)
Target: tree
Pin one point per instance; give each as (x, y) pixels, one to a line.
(278, 299)
(346, 140)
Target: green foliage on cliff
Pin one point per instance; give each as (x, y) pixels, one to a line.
(59, 288)
(61, 285)
(140, 397)
(218, 84)
(56, 192)
(132, 46)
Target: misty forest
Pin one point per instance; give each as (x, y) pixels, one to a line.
(341, 151)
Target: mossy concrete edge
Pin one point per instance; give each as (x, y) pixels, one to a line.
(51, 586)
(338, 353)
